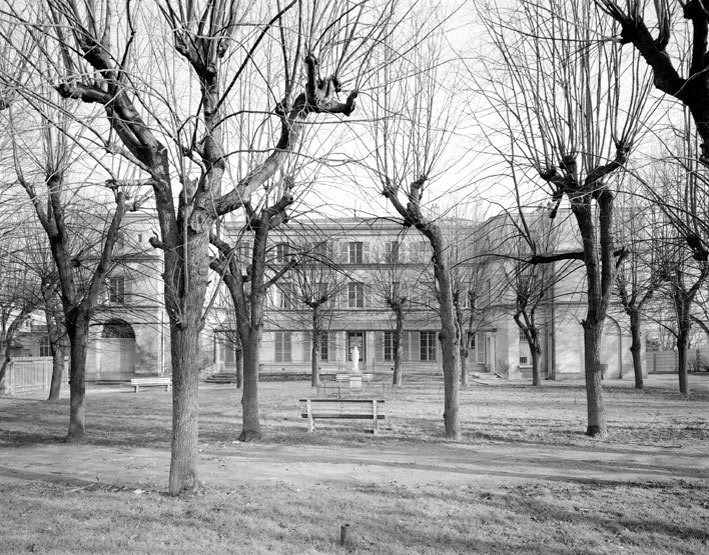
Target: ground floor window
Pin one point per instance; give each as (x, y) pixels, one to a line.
(283, 346)
(389, 349)
(427, 340)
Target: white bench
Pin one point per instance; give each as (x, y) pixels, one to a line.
(137, 383)
(360, 409)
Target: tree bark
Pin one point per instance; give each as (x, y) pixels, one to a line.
(78, 331)
(315, 347)
(251, 420)
(449, 336)
(636, 348)
(464, 369)
(600, 267)
(57, 374)
(536, 363)
(184, 349)
(398, 377)
(239, 362)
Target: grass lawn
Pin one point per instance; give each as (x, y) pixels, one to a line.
(642, 490)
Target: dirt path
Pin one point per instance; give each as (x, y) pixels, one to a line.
(224, 466)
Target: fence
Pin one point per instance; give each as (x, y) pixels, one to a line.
(29, 375)
(665, 362)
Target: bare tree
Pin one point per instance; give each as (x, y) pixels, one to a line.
(317, 280)
(556, 87)
(638, 270)
(414, 122)
(108, 55)
(394, 285)
(248, 286)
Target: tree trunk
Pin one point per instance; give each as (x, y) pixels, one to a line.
(464, 370)
(185, 290)
(449, 337)
(57, 374)
(592, 334)
(636, 348)
(682, 342)
(536, 363)
(184, 349)
(600, 276)
(239, 362)
(315, 349)
(398, 377)
(78, 331)
(251, 422)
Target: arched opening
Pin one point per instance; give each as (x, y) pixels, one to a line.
(117, 329)
(117, 350)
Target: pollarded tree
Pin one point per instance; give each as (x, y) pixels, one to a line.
(79, 239)
(414, 122)
(279, 62)
(638, 266)
(394, 284)
(316, 281)
(248, 286)
(555, 86)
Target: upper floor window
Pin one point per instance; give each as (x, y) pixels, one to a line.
(116, 289)
(285, 295)
(282, 252)
(392, 252)
(355, 295)
(355, 252)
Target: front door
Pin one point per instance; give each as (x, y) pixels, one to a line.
(356, 339)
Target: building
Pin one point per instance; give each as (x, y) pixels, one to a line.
(359, 262)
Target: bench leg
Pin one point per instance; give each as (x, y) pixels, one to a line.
(311, 420)
(375, 431)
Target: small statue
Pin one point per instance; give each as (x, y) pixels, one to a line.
(355, 360)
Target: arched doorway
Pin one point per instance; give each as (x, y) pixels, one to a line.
(117, 350)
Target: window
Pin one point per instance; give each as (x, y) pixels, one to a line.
(282, 252)
(389, 349)
(116, 289)
(285, 295)
(355, 252)
(325, 346)
(423, 251)
(283, 346)
(243, 252)
(355, 295)
(479, 346)
(391, 252)
(428, 346)
(45, 349)
(323, 251)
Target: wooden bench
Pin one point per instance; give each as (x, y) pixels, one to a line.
(137, 383)
(359, 409)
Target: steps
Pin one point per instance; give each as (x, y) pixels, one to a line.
(221, 377)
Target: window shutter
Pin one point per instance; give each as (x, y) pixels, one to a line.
(405, 346)
(307, 346)
(365, 252)
(332, 347)
(416, 346)
(344, 252)
(379, 346)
